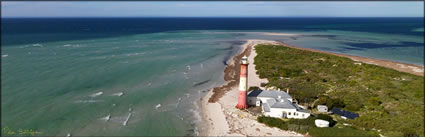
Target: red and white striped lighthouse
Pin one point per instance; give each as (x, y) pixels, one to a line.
(243, 84)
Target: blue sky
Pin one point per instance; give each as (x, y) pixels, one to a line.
(212, 9)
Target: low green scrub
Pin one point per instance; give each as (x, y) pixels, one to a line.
(340, 132)
(305, 126)
(303, 129)
(253, 88)
(330, 102)
(273, 122)
(308, 121)
(385, 99)
(301, 125)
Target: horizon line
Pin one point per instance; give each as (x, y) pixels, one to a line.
(220, 17)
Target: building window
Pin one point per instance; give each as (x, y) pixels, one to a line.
(303, 115)
(289, 113)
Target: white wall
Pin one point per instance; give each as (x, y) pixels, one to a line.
(290, 113)
(301, 115)
(278, 112)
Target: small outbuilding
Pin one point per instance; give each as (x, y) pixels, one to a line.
(322, 108)
(344, 114)
(321, 123)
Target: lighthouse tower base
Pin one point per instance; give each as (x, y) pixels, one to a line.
(242, 100)
(241, 106)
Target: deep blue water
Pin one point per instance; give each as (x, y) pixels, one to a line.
(13, 29)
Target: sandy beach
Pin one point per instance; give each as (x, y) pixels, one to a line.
(218, 106)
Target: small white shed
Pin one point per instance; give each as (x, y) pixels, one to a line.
(321, 123)
(322, 108)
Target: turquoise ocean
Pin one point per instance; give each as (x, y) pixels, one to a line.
(145, 76)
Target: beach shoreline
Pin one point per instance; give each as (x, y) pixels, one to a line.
(218, 105)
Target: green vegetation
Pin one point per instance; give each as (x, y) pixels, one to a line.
(301, 125)
(307, 126)
(385, 99)
(253, 88)
(340, 132)
(273, 122)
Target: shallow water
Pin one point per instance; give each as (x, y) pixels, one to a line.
(73, 85)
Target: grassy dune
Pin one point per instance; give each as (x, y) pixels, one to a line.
(386, 99)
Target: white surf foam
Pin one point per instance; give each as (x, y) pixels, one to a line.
(37, 45)
(197, 116)
(185, 75)
(117, 94)
(196, 131)
(87, 101)
(72, 45)
(106, 118)
(26, 46)
(96, 94)
(157, 106)
(135, 54)
(5, 55)
(176, 104)
(126, 121)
